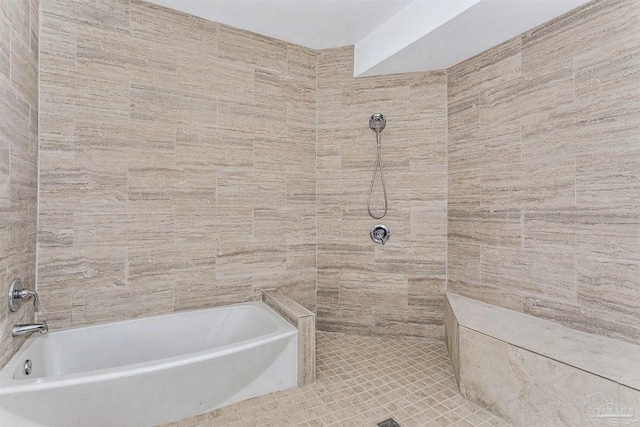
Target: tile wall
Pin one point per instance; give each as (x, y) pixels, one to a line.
(366, 288)
(179, 168)
(18, 159)
(544, 171)
(177, 163)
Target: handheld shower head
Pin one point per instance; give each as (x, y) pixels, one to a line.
(377, 123)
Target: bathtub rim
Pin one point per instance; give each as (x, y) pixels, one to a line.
(10, 385)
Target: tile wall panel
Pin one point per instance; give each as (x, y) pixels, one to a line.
(19, 39)
(177, 163)
(180, 154)
(395, 289)
(543, 171)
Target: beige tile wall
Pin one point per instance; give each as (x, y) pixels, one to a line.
(177, 163)
(18, 159)
(544, 171)
(179, 168)
(366, 288)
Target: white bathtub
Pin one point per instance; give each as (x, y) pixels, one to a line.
(149, 371)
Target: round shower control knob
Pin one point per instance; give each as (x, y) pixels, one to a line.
(379, 234)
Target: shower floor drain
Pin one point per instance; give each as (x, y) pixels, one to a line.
(388, 423)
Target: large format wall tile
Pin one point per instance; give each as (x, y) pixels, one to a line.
(243, 162)
(534, 379)
(483, 370)
(177, 167)
(395, 289)
(543, 171)
(19, 39)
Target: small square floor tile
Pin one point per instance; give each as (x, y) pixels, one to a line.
(361, 380)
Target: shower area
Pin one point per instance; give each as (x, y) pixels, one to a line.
(363, 287)
(159, 162)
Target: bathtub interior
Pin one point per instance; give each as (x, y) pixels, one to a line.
(137, 342)
(254, 353)
(155, 397)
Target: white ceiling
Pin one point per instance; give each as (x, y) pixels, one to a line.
(390, 36)
(318, 24)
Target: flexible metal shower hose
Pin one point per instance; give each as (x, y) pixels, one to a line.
(373, 180)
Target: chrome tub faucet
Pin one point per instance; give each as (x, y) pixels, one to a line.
(16, 295)
(29, 328)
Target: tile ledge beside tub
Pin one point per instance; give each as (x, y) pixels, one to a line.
(305, 321)
(530, 370)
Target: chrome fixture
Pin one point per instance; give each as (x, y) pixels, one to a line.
(377, 123)
(17, 294)
(29, 328)
(379, 234)
(28, 367)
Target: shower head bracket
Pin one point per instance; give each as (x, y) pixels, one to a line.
(377, 122)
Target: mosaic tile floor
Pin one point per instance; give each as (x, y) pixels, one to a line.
(362, 381)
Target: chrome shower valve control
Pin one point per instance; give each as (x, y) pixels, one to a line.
(379, 234)
(17, 294)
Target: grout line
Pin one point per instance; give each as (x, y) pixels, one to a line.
(37, 246)
(316, 191)
(446, 192)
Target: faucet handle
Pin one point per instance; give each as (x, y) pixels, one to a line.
(26, 293)
(17, 294)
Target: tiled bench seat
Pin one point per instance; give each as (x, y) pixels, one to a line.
(533, 372)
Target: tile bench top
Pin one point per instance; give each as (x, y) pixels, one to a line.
(609, 358)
